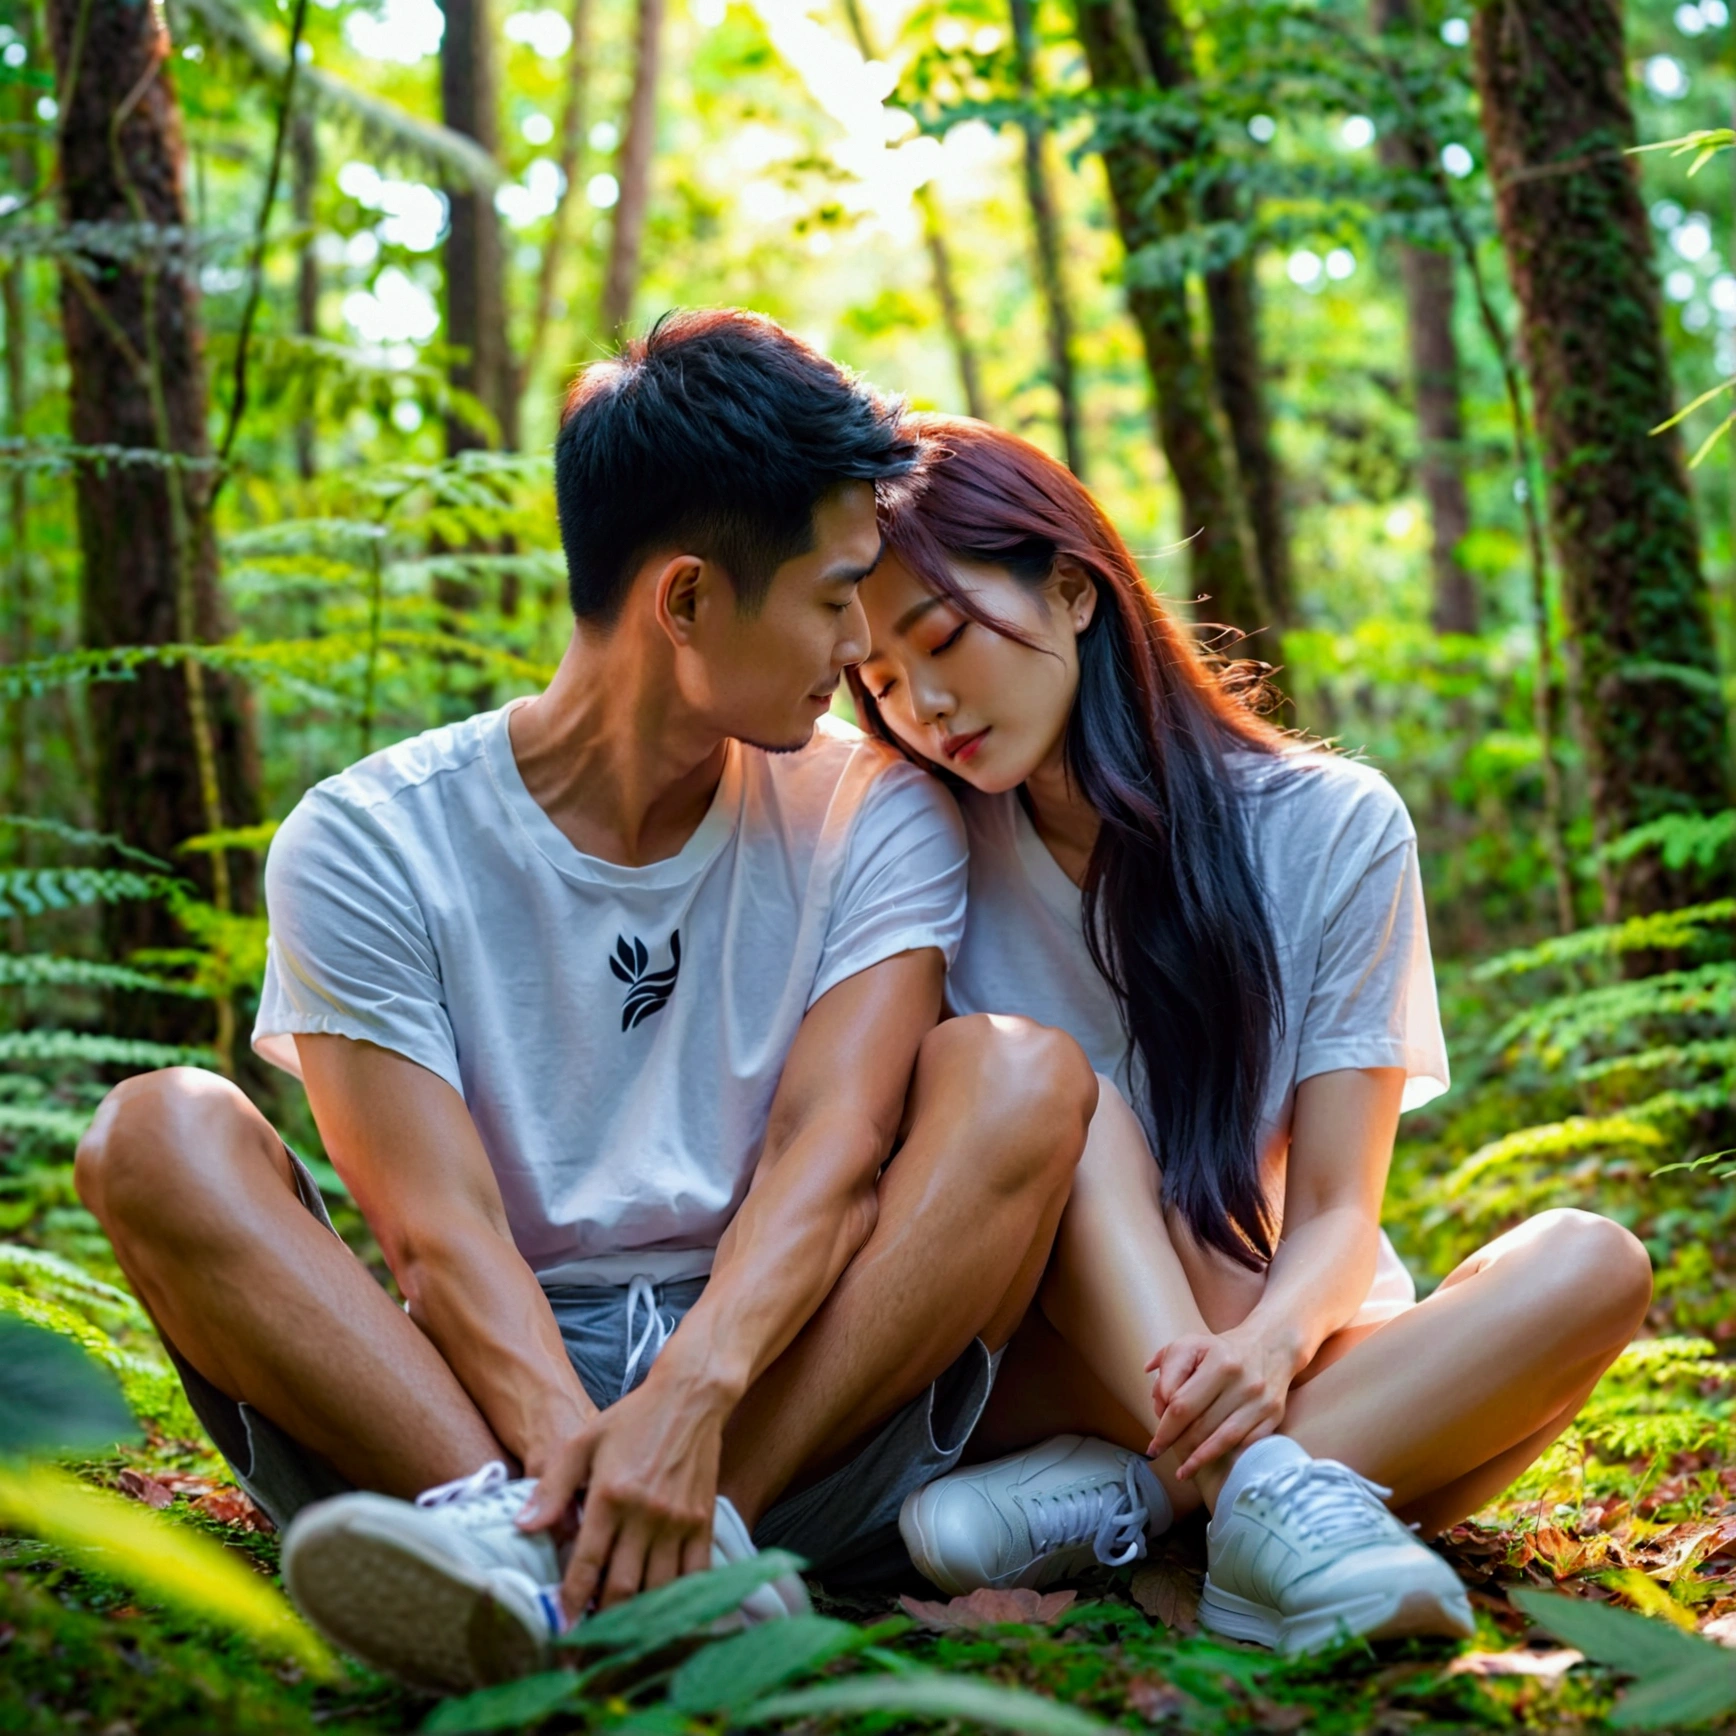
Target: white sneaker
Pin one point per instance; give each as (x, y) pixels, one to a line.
(446, 1592)
(1034, 1517)
(1309, 1551)
(443, 1592)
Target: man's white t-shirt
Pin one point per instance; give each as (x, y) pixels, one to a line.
(1334, 852)
(616, 1033)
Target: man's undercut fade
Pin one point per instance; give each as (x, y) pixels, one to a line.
(716, 434)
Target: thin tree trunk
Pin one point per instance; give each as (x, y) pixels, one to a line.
(1046, 239)
(638, 148)
(304, 161)
(1223, 564)
(1551, 75)
(174, 749)
(570, 160)
(939, 254)
(475, 289)
(1237, 372)
(1430, 290)
(20, 603)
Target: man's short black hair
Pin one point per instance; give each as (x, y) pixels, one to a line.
(716, 434)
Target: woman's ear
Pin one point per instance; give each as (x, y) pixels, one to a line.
(1076, 592)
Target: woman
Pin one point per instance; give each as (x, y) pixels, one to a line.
(1231, 925)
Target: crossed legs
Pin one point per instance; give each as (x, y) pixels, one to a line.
(196, 1194)
(1445, 1403)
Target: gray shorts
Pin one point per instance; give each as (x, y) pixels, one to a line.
(845, 1526)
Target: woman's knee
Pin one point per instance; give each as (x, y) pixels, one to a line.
(154, 1134)
(1027, 1087)
(1603, 1270)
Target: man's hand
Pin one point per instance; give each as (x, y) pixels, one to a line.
(1215, 1392)
(645, 1473)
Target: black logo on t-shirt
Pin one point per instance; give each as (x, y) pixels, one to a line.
(648, 991)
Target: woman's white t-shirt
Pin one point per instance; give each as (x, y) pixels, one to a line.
(1334, 852)
(616, 1033)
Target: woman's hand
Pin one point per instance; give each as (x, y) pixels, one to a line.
(1215, 1392)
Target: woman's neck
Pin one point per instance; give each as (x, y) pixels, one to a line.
(1065, 821)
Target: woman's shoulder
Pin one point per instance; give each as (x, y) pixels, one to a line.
(1312, 790)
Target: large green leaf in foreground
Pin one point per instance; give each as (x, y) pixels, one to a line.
(54, 1398)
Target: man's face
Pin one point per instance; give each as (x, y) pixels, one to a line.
(768, 677)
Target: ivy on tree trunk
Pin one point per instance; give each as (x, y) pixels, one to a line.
(1551, 75)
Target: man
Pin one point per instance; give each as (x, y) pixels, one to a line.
(611, 1008)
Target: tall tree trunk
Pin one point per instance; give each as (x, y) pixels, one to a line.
(20, 603)
(1551, 75)
(174, 749)
(1235, 338)
(475, 286)
(1430, 289)
(1046, 240)
(1223, 564)
(304, 163)
(638, 148)
(939, 254)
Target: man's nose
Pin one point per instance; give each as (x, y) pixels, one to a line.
(856, 641)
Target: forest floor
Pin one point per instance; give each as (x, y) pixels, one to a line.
(76, 1653)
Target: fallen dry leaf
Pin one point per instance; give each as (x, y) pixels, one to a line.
(141, 1486)
(1549, 1666)
(230, 1506)
(988, 1608)
(1169, 1594)
(1155, 1699)
(1721, 1628)
(1274, 1715)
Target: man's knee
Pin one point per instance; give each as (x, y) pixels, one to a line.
(1027, 1090)
(153, 1135)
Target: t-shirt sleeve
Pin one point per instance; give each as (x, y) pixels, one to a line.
(349, 953)
(903, 881)
(1373, 1002)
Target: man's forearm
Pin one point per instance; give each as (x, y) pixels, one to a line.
(802, 1223)
(476, 1299)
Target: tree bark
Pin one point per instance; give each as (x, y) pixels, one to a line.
(304, 163)
(1223, 565)
(638, 148)
(1237, 372)
(1429, 281)
(1551, 76)
(1046, 241)
(149, 569)
(475, 286)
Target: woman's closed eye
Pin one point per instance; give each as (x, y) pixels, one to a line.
(882, 693)
(950, 640)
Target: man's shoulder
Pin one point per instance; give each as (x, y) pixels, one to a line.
(395, 775)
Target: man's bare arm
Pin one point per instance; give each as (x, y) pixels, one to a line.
(408, 1151)
(648, 1466)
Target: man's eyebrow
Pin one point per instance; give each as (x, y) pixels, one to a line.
(914, 614)
(852, 572)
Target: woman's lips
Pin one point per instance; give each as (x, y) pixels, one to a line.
(960, 748)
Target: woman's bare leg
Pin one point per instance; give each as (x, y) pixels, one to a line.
(1446, 1403)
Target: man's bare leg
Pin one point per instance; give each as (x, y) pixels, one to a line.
(195, 1191)
(967, 1214)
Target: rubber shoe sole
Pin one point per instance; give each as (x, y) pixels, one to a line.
(1379, 1616)
(921, 1544)
(401, 1604)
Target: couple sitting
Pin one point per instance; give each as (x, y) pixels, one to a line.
(964, 1138)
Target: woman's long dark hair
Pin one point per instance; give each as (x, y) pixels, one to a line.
(1174, 915)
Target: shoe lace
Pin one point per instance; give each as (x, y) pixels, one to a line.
(1327, 1499)
(483, 1497)
(1112, 1516)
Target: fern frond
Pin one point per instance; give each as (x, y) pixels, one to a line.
(41, 1273)
(232, 838)
(1679, 839)
(69, 834)
(1554, 1139)
(94, 1049)
(1663, 931)
(1714, 1052)
(33, 891)
(58, 1126)
(31, 970)
(122, 663)
(452, 153)
(1558, 1024)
